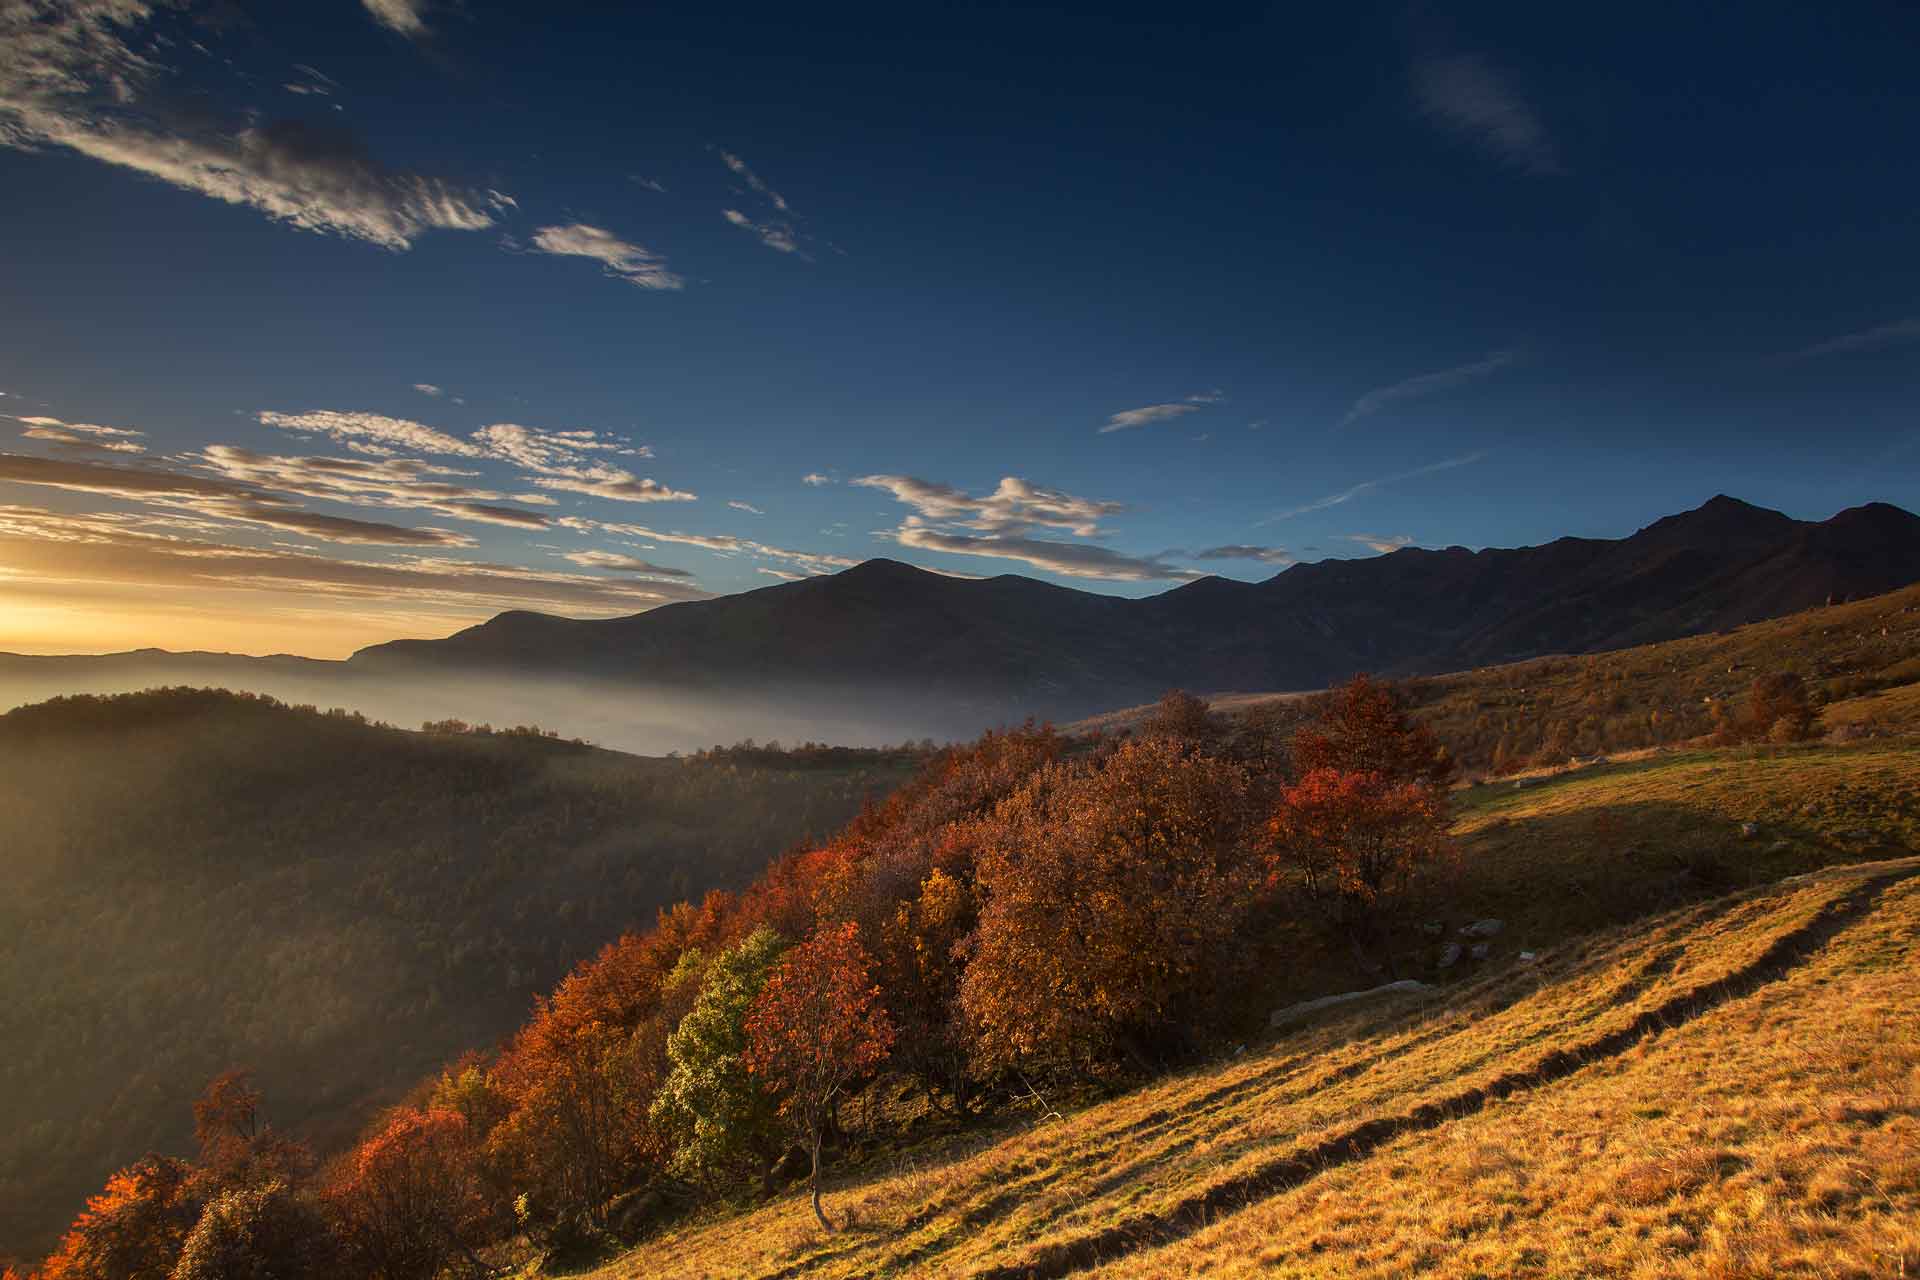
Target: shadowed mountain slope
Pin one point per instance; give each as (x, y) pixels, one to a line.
(1010, 646)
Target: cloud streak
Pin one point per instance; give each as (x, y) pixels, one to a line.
(1898, 334)
(70, 78)
(1147, 415)
(1368, 486)
(400, 16)
(1466, 96)
(1069, 559)
(1014, 506)
(620, 259)
(1426, 384)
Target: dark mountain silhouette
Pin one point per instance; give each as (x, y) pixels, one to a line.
(1010, 646)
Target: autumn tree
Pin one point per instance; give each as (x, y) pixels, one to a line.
(817, 1026)
(1182, 716)
(135, 1227)
(1112, 894)
(719, 1120)
(1364, 727)
(1778, 709)
(259, 1232)
(1355, 840)
(237, 1146)
(409, 1199)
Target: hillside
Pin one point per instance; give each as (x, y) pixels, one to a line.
(194, 880)
(1719, 1090)
(1857, 657)
(1008, 646)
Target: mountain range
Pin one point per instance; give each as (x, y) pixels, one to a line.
(1018, 646)
(902, 649)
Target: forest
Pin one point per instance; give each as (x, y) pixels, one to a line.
(195, 879)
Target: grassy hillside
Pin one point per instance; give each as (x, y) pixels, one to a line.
(193, 880)
(1862, 658)
(1728, 1087)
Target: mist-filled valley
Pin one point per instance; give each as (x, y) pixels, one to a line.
(198, 880)
(618, 714)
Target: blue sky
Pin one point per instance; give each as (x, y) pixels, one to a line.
(424, 310)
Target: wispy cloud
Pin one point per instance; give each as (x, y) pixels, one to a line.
(1244, 551)
(815, 479)
(725, 544)
(1424, 385)
(215, 500)
(373, 432)
(1383, 543)
(775, 235)
(70, 77)
(376, 482)
(622, 561)
(1147, 415)
(61, 548)
(1900, 333)
(1069, 559)
(1465, 95)
(747, 507)
(81, 435)
(615, 484)
(622, 260)
(428, 389)
(1014, 506)
(402, 16)
(1368, 486)
(741, 170)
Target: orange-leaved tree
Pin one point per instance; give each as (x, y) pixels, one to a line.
(1364, 728)
(1355, 840)
(134, 1229)
(410, 1199)
(1112, 896)
(817, 1026)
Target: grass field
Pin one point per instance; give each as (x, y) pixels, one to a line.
(1711, 1068)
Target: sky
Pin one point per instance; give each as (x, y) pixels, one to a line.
(333, 322)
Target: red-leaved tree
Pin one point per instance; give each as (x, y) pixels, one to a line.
(1364, 728)
(1355, 841)
(409, 1199)
(817, 1026)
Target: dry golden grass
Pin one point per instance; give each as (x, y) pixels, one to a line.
(1730, 1089)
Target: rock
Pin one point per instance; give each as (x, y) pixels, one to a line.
(1780, 846)
(1295, 1012)
(1483, 928)
(1450, 956)
(1480, 950)
(1748, 830)
(1433, 928)
(1528, 957)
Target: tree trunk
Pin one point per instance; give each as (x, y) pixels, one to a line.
(818, 1212)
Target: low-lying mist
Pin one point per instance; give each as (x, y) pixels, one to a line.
(644, 719)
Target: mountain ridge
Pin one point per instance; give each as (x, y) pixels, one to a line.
(1012, 645)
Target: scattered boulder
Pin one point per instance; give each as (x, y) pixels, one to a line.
(1480, 949)
(1483, 928)
(1295, 1012)
(1433, 928)
(1781, 845)
(1450, 956)
(1748, 830)
(1528, 957)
